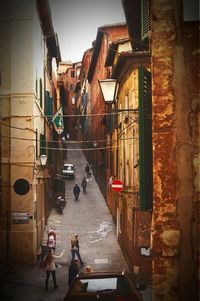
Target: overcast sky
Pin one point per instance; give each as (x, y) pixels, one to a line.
(76, 23)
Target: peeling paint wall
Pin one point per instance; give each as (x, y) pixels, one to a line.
(175, 70)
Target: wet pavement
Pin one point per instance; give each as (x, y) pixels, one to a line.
(90, 218)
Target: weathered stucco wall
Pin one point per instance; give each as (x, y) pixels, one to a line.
(19, 101)
(175, 94)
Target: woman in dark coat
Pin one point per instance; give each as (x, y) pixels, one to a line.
(84, 185)
(76, 191)
(73, 270)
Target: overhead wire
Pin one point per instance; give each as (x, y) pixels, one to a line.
(79, 115)
(84, 149)
(68, 142)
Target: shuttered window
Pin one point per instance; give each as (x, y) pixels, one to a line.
(48, 105)
(145, 19)
(41, 94)
(42, 145)
(36, 144)
(145, 139)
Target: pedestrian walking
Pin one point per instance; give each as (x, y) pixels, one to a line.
(91, 169)
(76, 191)
(87, 170)
(110, 181)
(49, 266)
(75, 249)
(73, 270)
(84, 185)
(75, 241)
(51, 240)
(51, 231)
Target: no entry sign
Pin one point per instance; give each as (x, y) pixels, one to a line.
(117, 186)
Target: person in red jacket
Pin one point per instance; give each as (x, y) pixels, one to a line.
(51, 240)
(49, 266)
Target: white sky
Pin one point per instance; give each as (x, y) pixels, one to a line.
(76, 23)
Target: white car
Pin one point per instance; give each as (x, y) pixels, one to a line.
(68, 170)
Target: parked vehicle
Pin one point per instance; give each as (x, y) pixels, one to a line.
(102, 286)
(68, 170)
(60, 204)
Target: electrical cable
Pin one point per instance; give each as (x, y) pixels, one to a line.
(78, 115)
(84, 149)
(67, 142)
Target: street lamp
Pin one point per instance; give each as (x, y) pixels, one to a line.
(109, 88)
(43, 162)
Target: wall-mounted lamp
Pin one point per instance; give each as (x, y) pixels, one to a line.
(109, 89)
(43, 162)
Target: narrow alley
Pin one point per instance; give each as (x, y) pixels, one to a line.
(90, 218)
(113, 84)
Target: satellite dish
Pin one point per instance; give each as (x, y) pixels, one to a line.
(21, 186)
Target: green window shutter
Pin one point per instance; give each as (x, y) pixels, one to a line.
(42, 144)
(36, 86)
(145, 139)
(41, 93)
(145, 19)
(36, 144)
(48, 105)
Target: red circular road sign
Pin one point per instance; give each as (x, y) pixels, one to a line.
(117, 186)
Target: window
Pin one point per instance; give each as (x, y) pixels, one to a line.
(73, 100)
(48, 104)
(41, 93)
(36, 144)
(133, 11)
(42, 145)
(36, 86)
(145, 19)
(145, 139)
(71, 87)
(73, 73)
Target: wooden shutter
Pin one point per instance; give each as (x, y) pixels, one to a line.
(41, 93)
(36, 144)
(145, 139)
(42, 144)
(48, 105)
(133, 13)
(145, 19)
